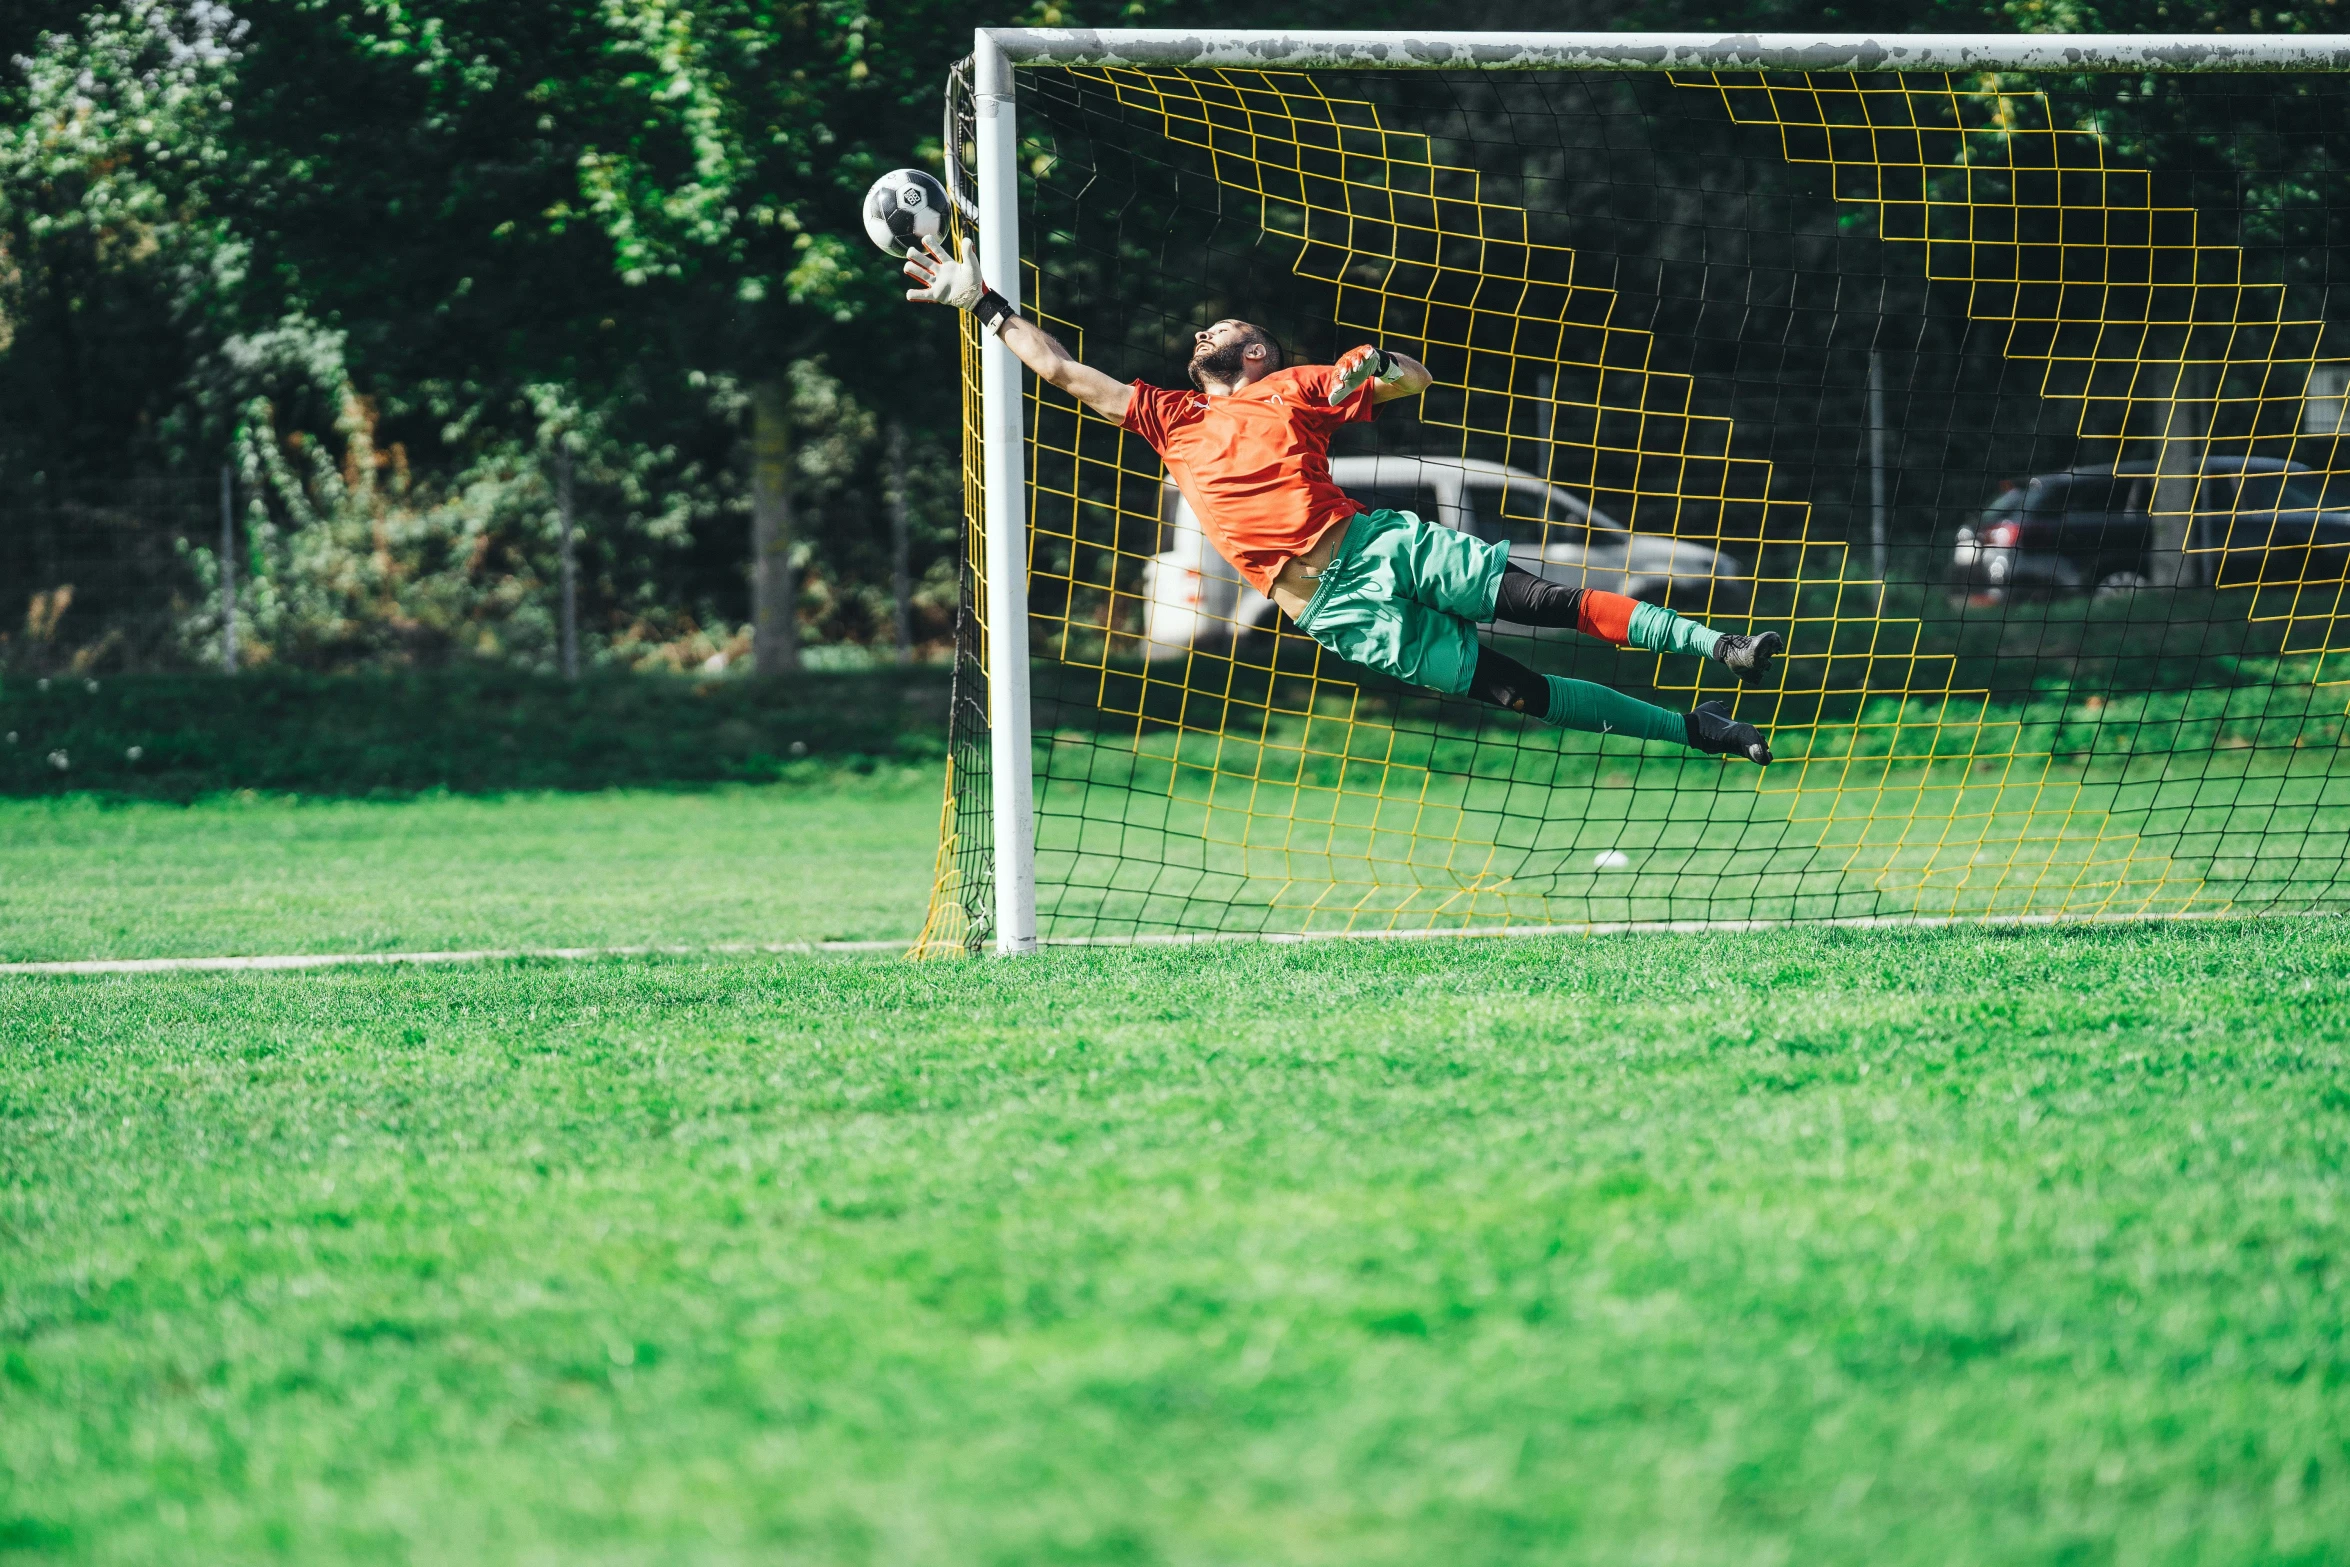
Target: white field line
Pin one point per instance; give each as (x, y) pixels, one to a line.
(305, 960)
(313, 960)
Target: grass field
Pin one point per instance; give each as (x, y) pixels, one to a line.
(1798, 1246)
(2081, 758)
(1364, 826)
(841, 858)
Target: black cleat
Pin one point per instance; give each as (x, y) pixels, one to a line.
(1713, 730)
(1749, 658)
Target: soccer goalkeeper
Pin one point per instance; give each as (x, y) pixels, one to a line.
(1387, 589)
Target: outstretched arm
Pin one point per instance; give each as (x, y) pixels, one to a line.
(1042, 352)
(1392, 375)
(948, 280)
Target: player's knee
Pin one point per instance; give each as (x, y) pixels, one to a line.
(1524, 599)
(1504, 682)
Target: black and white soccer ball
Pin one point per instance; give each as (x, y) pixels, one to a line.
(903, 208)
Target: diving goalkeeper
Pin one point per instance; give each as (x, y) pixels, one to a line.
(1249, 449)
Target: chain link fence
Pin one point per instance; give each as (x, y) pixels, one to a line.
(105, 575)
(149, 575)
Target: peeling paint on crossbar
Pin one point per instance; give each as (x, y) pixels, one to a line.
(1304, 51)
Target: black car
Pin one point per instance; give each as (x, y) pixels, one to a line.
(2283, 526)
(2254, 520)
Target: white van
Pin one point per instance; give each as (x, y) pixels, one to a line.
(1192, 597)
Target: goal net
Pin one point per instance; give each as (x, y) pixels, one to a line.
(2009, 399)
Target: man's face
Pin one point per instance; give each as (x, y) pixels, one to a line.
(1220, 352)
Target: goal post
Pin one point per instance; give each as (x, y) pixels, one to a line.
(1226, 778)
(1272, 50)
(1004, 477)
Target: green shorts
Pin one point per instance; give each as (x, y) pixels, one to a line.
(1405, 596)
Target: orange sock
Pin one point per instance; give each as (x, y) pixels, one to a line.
(1607, 616)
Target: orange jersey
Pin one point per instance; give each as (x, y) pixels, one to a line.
(1255, 466)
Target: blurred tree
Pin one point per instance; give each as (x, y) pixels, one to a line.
(111, 254)
(438, 207)
(623, 197)
(433, 220)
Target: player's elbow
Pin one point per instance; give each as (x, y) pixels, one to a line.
(1411, 383)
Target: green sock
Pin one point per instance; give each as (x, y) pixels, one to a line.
(1578, 704)
(1659, 630)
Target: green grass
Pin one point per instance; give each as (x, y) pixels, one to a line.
(2086, 757)
(1340, 824)
(834, 857)
(1805, 1247)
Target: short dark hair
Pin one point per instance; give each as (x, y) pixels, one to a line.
(1257, 334)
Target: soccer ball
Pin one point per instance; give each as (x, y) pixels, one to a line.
(904, 208)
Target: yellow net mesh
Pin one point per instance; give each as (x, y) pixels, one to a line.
(1950, 748)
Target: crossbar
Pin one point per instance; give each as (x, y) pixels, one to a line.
(1267, 50)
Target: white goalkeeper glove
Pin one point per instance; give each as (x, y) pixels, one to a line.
(947, 280)
(1359, 365)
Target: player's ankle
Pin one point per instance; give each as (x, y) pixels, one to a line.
(1748, 657)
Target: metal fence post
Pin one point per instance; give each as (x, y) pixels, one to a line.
(228, 569)
(901, 582)
(570, 563)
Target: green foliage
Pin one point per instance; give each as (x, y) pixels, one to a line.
(113, 257)
(402, 250)
(365, 248)
(471, 727)
(1815, 1247)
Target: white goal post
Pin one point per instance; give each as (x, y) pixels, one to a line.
(998, 53)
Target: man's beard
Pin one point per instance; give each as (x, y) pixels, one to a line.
(1218, 364)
